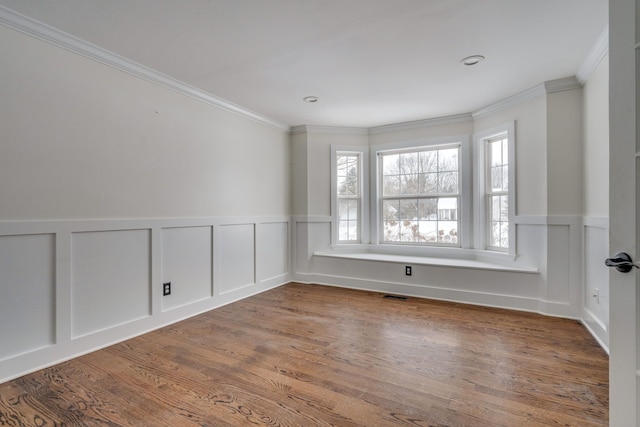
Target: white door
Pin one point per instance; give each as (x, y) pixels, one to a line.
(624, 234)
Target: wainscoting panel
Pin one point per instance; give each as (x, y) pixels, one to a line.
(27, 300)
(272, 247)
(71, 287)
(111, 278)
(596, 278)
(187, 263)
(236, 243)
(558, 266)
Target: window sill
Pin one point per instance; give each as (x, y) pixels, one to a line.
(363, 255)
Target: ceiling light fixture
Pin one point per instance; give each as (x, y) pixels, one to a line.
(471, 60)
(310, 99)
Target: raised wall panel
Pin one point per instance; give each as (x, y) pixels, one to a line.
(110, 279)
(237, 256)
(558, 267)
(187, 264)
(596, 280)
(273, 254)
(27, 301)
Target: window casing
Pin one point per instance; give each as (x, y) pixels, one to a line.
(349, 196)
(495, 203)
(419, 195)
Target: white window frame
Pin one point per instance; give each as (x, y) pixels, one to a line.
(482, 226)
(465, 209)
(363, 214)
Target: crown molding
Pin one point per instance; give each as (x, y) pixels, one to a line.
(418, 124)
(297, 130)
(53, 36)
(559, 85)
(511, 101)
(595, 56)
(550, 86)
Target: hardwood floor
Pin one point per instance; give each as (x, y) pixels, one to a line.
(308, 355)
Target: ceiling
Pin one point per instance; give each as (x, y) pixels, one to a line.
(370, 62)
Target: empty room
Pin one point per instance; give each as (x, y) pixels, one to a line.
(318, 212)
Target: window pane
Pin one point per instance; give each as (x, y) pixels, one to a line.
(496, 178)
(428, 183)
(412, 217)
(348, 174)
(409, 209)
(353, 231)
(409, 184)
(448, 208)
(504, 235)
(448, 182)
(494, 235)
(391, 164)
(504, 208)
(448, 232)
(496, 152)
(428, 209)
(391, 231)
(428, 231)
(494, 208)
(497, 186)
(429, 161)
(391, 185)
(408, 230)
(391, 210)
(505, 178)
(409, 163)
(505, 151)
(448, 159)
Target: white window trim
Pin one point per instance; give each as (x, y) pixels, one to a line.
(466, 205)
(480, 204)
(363, 215)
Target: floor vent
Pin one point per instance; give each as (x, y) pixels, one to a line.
(396, 297)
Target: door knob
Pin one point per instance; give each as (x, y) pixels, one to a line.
(622, 262)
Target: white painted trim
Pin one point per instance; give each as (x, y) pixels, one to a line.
(595, 56)
(363, 213)
(595, 328)
(560, 85)
(421, 291)
(550, 86)
(510, 101)
(596, 222)
(419, 124)
(431, 261)
(19, 227)
(48, 34)
(302, 129)
(312, 218)
(548, 220)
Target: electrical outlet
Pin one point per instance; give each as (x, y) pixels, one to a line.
(597, 296)
(407, 270)
(166, 289)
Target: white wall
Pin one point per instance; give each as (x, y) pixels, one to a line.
(596, 200)
(530, 117)
(112, 185)
(82, 140)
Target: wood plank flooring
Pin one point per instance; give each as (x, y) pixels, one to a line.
(309, 355)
